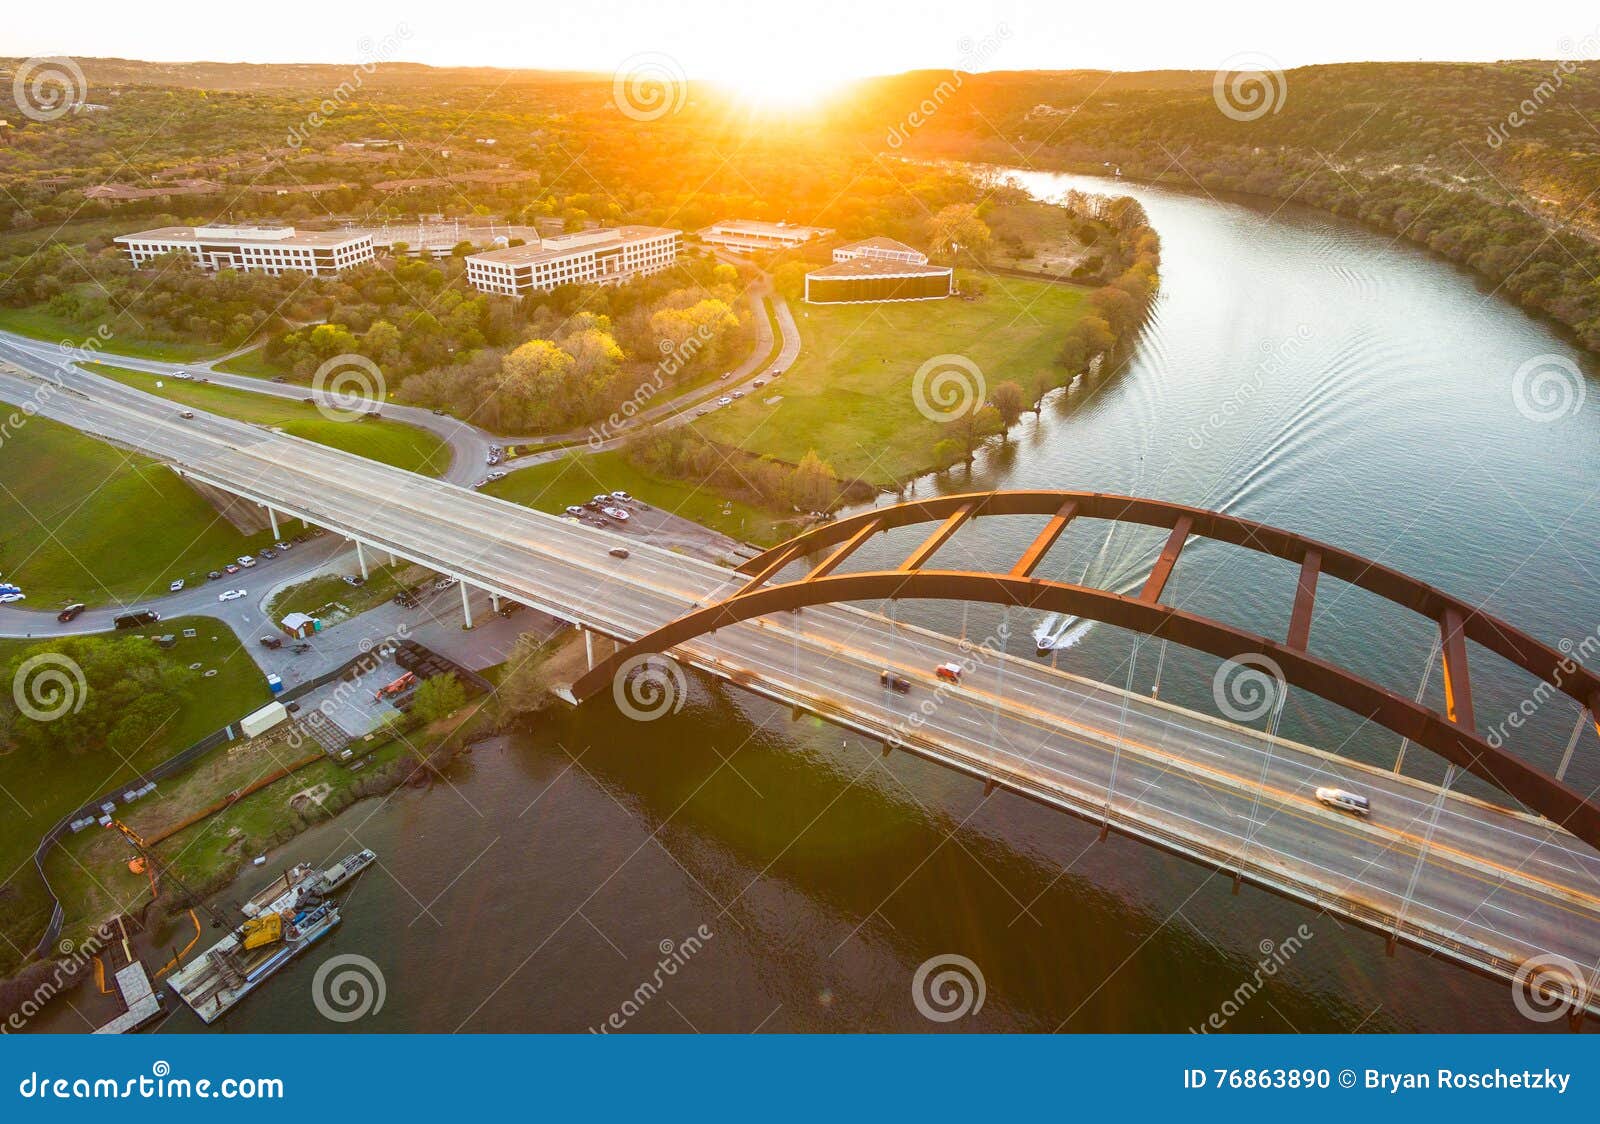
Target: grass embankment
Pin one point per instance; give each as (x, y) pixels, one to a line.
(81, 520)
(389, 442)
(41, 325)
(849, 394)
(554, 486)
(253, 363)
(38, 788)
(1040, 237)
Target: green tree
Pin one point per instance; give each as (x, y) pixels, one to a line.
(438, 698)
(1009, 401)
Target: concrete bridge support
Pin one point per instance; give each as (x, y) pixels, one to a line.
(466, 608)
(272, 517)
(361, 559)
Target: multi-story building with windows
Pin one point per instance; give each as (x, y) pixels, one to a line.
(749, 235)
(608, 256)
(880, 249)
(270, 249)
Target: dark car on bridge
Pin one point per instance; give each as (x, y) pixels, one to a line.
(894, 682)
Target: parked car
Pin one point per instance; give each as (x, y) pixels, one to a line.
(137, 618)
(268, 554)
(282, 546)
(510, 608)
(496, 475)
(273, 642)
(602, 499)
(355, 580)
(615, 513)
(12, 598)
(230, 595)
(1345, 801)
(949, 672)
(71, 613)
(574, 509)
(619, 494)
(175, 585)
(230, 568)
(245, 560)
(300, 648)
(894, 682)
(213, 575)
(618, 552)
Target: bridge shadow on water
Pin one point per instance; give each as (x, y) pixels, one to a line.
(842, 871)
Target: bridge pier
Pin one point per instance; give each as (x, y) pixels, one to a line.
(361, 559)
(588, 646)
(466, 608)
(272, 517)
(494, 602)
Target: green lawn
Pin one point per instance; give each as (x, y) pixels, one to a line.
(253, 363)
(552, 487)
(848, 395)
(382, 583)
(39, 324)
(38, 788)
(390, 442)
(82, 520)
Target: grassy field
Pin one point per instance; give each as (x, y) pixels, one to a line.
(849, 394)
(81, 520)
(37, 789)
(382, 583)
(253, 363)
(390, 442)
(552, 487)
(39, 324)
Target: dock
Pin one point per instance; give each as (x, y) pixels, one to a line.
(139, 998)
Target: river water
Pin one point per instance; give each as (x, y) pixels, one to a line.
(1296, 369)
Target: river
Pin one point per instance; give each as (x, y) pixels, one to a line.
(1296, 369)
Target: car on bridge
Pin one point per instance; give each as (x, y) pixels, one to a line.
(949, 672)
(1345, 801)
(618, 552)
(186, 415)
(894, 682)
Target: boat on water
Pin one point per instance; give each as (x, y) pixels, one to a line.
(281, 921)
(240, 962)
(341, 872)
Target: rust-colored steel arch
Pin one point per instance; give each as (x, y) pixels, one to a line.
(1453, 734)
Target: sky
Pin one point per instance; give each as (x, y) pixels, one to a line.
(807, 42)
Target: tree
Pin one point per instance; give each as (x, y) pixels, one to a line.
(85, 694)
(438, 698)
(957, 227)
(814, 484)
(968, 430)
(790, 279)
(1009, 401)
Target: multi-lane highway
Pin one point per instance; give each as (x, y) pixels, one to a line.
(1488, 887)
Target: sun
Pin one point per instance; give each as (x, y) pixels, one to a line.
(768, 84)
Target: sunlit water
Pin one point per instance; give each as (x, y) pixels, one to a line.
(1364, 392)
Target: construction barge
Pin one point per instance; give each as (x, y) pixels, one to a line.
(281, 922)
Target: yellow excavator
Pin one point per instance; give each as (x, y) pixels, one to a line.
(258, 932)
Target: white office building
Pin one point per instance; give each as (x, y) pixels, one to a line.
(880, 249)
(608, 256)
(749, 235)
(269, 249)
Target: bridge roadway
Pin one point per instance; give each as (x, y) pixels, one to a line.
(1494, 887)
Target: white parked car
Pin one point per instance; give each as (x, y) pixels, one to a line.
(175, 586)
(12, 598)
(245, 560)
(615, 513)
(1345, 801)
(230, 595)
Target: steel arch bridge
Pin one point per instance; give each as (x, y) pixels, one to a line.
(1451, 733)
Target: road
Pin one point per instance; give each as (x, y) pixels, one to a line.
(1492, 887)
